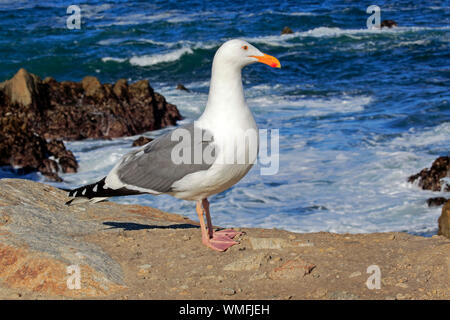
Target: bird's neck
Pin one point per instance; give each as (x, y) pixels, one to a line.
(226, 94)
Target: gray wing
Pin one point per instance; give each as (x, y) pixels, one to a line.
(152, 166)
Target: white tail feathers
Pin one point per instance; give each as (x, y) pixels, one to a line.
(81, 200)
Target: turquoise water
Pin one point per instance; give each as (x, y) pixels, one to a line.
(358, 110)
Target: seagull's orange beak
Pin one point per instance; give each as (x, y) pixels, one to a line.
(269, 60)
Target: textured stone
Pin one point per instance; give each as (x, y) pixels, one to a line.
(114, 245)
(444, 221)
(292, 269)
(251, 262)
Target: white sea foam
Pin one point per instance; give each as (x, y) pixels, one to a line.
(106, 59)
(437, 136)
(314, 107)
(329, 32)
(149, 60)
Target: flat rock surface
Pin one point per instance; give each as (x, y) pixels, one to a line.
(136, 252)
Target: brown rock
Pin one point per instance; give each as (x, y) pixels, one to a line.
(269, 243)
(435, 202)
(65, 157)
(430, 179)
(22, 88)
(251, 262)
(292, 269)
(121, 88)
(180, 86)
(388, 24)
(444, 221)
(141, 141)
(92, 87)
(49, 168)
(287, 30)
(33, 111)
(114, 243)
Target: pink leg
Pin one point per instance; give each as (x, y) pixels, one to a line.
(220, 240)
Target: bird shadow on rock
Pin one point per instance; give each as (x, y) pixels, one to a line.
(131, 226)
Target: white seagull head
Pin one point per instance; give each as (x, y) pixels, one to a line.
(239, 53)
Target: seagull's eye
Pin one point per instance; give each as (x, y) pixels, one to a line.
(245, 47)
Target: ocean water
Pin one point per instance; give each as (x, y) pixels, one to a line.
(358, 110)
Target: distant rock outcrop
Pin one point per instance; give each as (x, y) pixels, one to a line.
(388, 24)
(141, 141)
(93, 110)
(35, 115)
(430, 179)
(286, 30)
(181, 86)
(436, 202)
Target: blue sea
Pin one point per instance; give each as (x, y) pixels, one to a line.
(358, 110)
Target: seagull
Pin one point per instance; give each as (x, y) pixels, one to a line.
(195, 161)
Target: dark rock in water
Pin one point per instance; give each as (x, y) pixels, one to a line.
(444, 221)
(182, 87)
(65, 157)
(286, 30)
(33, 111)
(141, 141)
(430, 179)
(436, 202)
(93, 110)
(49, 168)
(388, 24)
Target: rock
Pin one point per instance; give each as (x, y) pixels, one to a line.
(120, 89)
(49, 168)
(269, 243)
(355, 274)
(320, 293)
(228, 291)
(65, 157)
(444, 221)
(93, 88)
(292, 269)
(342, 295)
(88, 109)
(251, 262)
(22, 89)
(257, 276)
(286, 30)
(180, 86)
(388, 24)
(37, 245)
(33, 112)
(435, 202)
(430, 179)
(144, 269)
(43, 242)
(141, 141)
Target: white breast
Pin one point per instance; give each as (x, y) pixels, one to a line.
(237, 150)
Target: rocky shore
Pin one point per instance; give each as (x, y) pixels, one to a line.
(36, 115)
(136, 252)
